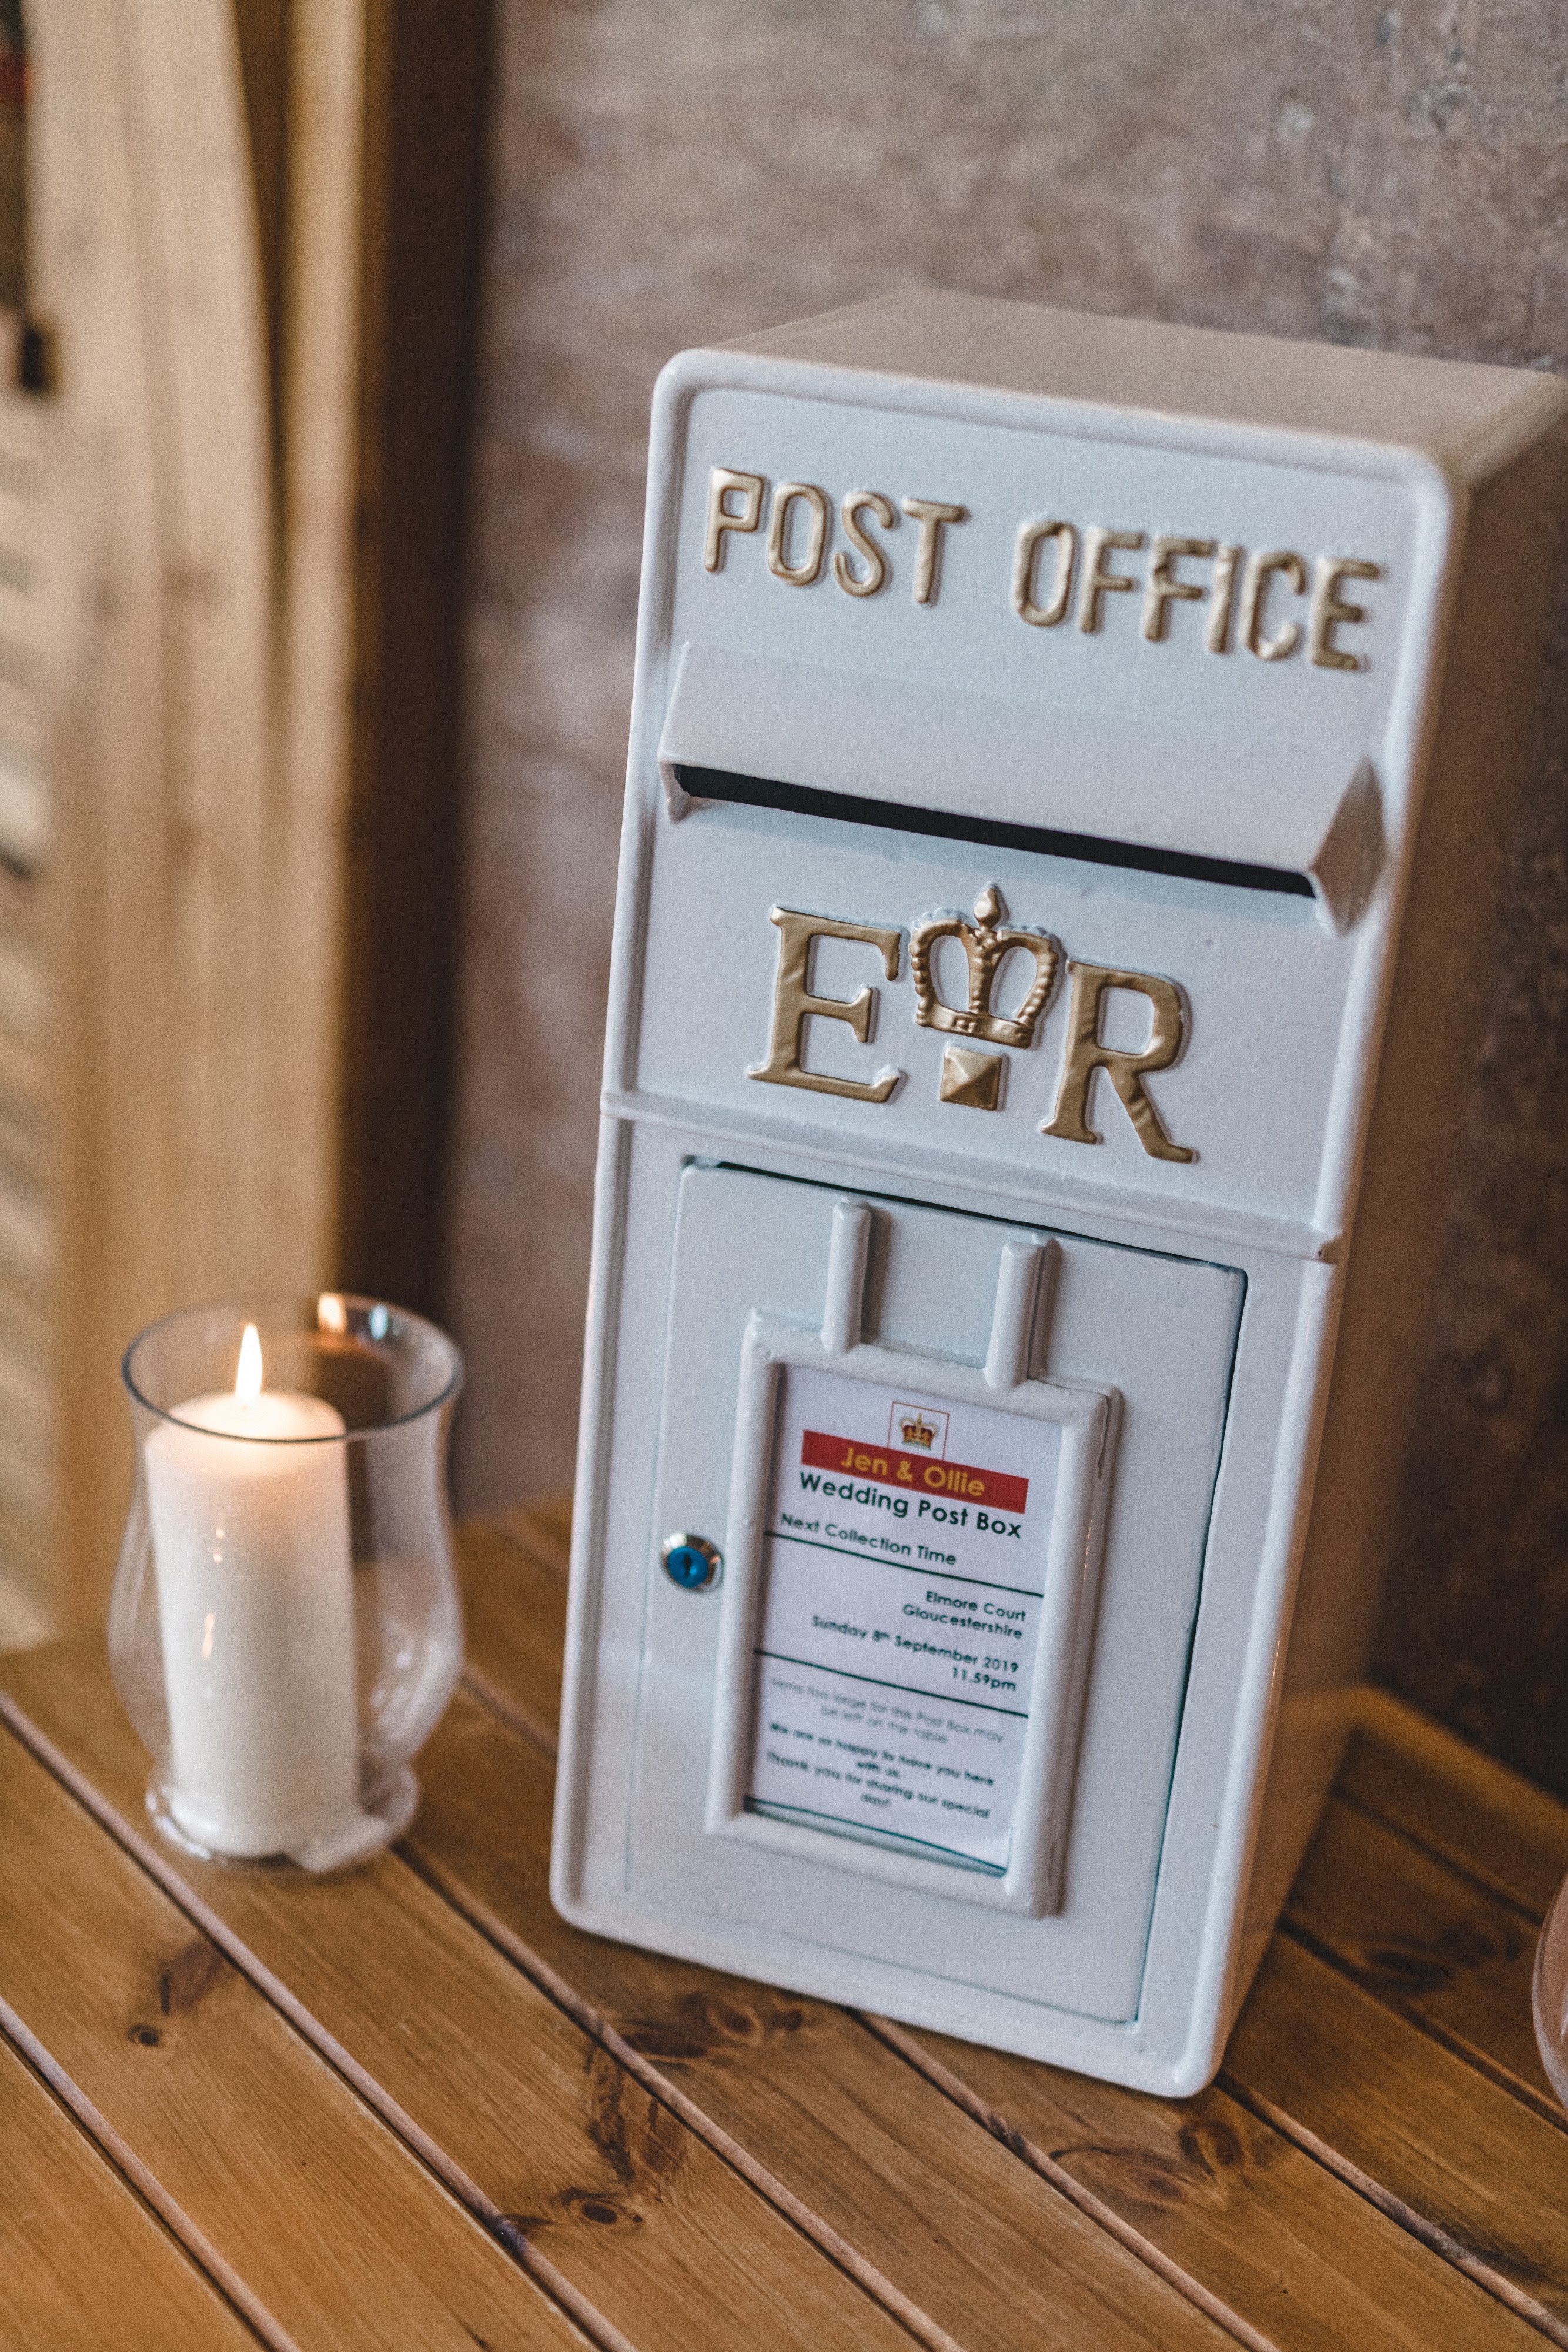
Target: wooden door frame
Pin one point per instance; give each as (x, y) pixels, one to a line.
(427, 72)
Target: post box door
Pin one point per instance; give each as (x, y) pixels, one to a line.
(960, 1473)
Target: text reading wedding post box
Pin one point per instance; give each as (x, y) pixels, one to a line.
(1069, 769)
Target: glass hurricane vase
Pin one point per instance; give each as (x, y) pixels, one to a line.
(284, 1628)
(1550, 1994)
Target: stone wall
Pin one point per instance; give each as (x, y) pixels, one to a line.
(673, 172)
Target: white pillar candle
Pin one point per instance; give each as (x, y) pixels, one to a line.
(255, 1609)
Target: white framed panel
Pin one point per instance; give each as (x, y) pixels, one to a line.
(1137, 1345)
(1046, 1689)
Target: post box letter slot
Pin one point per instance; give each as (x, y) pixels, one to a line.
(1295, 816)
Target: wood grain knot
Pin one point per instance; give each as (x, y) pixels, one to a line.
(704, 2023)
(1138, 2174)
(1208, 2166)
(731, 2021)
(639, 2137)
(194, 1970)
(1212, 2144)
(1397, 1964)
(603, 2212)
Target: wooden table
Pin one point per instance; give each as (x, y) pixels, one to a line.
(411, 2108)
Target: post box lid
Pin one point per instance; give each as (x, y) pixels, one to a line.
(1466, 418)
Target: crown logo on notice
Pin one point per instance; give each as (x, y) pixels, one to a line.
(985, 943)
(916, 1430)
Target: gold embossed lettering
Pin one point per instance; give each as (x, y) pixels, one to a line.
(1164, 588)
(1221, 596)
(1126, 1072)
(1097, 581)
(1026, 561)
(873, 557)
(785, 498)
(722, 484)
(1262, 570)
(793, 1004)
(931, 515)
(1329, 610)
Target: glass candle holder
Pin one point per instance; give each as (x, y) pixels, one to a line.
(285, 1629)
(1550, 1994)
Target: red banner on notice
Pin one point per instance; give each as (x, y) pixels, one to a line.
(949, 1482)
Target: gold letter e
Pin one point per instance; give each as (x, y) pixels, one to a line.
(793, 1004)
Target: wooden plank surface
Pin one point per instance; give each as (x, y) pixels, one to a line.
(1436, 2144)
(84, 2262)
(1430, 1943)
(320, 2224)
(605, 2188)
(1493, 1825)
(1291, 2253)
(880, 2167)
(1292, 2250)
(697, 2160)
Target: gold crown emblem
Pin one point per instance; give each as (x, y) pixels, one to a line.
(918, 1431)
(986, 944)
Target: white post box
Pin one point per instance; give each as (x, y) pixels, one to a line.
(1068, 764)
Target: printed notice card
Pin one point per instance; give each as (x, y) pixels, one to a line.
(905, 1556)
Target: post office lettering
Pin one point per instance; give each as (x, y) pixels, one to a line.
(1270, 605)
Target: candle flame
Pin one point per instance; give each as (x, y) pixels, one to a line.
(332, 1313)
(247, 1379)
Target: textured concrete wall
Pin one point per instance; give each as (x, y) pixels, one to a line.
(670, 171)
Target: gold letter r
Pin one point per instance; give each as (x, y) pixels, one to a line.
(1085, 1054)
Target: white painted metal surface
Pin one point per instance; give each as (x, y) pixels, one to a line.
(1127, 639)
